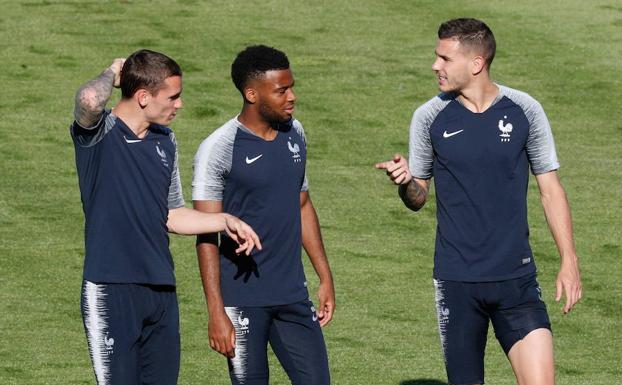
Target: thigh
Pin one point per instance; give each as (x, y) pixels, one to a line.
(463, 327)
(520, 311)
(250, 364)
(112, 326)
(532, 358)
(297, 340)
(160, 342)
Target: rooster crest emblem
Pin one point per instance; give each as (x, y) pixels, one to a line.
(161, 152)
(109, 342)
(162, 155)
(243, 322)
(295, 149)
(505, 130)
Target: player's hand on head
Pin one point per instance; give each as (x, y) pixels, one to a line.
(116, 67)
(397, 169)
(326, 295)
(221, 334)
(242, 234)
(569, 283)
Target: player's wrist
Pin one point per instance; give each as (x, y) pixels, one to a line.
(326, 280)
(407, 179)
(226, 220)
(216, 311)
(569, 259)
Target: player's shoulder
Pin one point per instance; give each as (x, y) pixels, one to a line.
(297, 126)
(223, 136)
(159, 129)
(520, 98)
(90, 136)
(428, 111)
(166, 131)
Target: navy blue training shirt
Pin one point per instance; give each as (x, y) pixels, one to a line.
(259, 181)
(480, 164)
(127, 186)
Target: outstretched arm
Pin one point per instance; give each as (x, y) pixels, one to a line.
(558, 217)
(187, 221)
(412, 191)
(92, 97)
(314, 246)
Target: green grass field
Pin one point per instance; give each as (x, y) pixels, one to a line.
(361, 69)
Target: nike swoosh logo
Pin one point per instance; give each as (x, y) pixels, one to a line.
(314, 317)
(448, 135)
(249, 161)
(131, 140)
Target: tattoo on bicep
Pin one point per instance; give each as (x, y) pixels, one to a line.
(413, 195)
(92, 97)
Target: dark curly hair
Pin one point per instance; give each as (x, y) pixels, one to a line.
(473, 34)
(254, 61)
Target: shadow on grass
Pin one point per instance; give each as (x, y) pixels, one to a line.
(422, 381)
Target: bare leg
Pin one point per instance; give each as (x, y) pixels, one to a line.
(532, 358)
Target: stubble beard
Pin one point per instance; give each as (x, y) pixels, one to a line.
(271, 116)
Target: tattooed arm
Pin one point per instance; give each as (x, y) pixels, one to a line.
(413, 191)
(92, 97)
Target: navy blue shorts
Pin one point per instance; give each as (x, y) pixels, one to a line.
(464, 310)
(295, 336)
(132, 333)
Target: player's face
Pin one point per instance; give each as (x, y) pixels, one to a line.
(163, 105)
(452, 65)
(275, 96)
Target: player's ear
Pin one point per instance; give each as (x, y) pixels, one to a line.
(250, 95)
(142, 97)
(478, 63)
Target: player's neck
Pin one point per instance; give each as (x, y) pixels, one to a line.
(254, 122)
(133, 118)
(479, 96)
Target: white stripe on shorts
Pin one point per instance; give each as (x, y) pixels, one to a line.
(96, 328)
(442, 313)
(241, 325)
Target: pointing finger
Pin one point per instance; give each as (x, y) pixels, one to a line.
(383, 165)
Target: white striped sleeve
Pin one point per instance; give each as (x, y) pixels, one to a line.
(212, 163)
(175, 196)
(540, 144)
(301, 132)
(420, 151)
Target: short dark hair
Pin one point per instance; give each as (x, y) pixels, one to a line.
(472, 33)
(146, 69)
(254, 61)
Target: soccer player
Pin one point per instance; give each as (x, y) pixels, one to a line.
(478, 140)
(254, 167)
(131, 195)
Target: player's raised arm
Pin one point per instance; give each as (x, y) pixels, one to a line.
(92, 97)
(413, 191)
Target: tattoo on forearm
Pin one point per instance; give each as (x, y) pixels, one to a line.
(92, 97)
(413, 195)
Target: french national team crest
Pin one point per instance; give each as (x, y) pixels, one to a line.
(506, 129)
(295, 149)
(162, 155)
